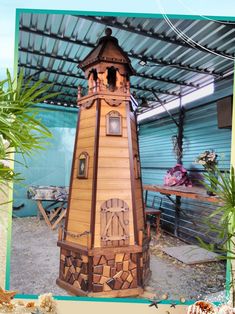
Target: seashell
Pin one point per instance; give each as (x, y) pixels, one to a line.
(202, 307)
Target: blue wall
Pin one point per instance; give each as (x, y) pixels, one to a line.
(51, 166)
(201, 133)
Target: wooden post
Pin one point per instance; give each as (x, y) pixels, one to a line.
(79, 92)
(179, 161)
(60, 233)
(140, 237)
(127, 85)
(177, 215)
(180, 134)
(89, 241)
(148, 230)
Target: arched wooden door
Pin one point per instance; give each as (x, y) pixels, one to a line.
(114, 223)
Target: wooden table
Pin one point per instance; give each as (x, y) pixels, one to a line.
(196, 193)
(56, 216)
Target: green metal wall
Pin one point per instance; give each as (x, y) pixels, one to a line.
(52, 165)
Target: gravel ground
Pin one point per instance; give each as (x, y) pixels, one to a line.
(200, 281)
(34, 257)
(35, 266)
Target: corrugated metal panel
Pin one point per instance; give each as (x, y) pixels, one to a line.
(200, 133)
(157, 157)
(57, 42)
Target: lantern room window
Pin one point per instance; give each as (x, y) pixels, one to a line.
(83, 163)
(94, 74)
(112, 78)
(114, 123)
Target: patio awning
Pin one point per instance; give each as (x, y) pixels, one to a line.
(167, 63)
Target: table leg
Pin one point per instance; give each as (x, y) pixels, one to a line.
(42, 211)
(177, 215)
(158, 221)
(62, 215)
(55, 213)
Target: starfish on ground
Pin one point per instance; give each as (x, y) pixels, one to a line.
(6, 296)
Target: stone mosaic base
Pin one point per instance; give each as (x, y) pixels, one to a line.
(74, 269)
(107, 273)
(114, 272)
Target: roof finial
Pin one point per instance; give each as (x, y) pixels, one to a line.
(108, 31)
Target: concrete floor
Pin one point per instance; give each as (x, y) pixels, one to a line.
(35, 266)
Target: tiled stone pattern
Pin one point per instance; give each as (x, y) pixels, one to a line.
(74, 269)
(114, 272)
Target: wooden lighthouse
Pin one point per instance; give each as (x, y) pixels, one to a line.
(104, 246)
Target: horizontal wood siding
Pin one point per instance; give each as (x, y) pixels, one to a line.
(81, 190)
(113, 178)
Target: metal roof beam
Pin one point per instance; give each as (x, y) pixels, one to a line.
(160, 91)
(37, 68)
(161, 62)
(110, 21)
(137, 74)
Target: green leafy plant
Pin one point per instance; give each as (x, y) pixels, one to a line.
(20, 129)
(223, 186)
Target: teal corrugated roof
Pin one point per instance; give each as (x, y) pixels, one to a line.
(51, 46)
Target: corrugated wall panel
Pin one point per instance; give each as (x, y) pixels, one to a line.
(200, 133)
(156, 155)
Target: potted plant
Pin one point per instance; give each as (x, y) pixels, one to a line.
(208, 159)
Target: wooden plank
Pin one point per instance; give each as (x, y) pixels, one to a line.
(103, 195)
(83, 205)
(193, 193)
(105, 173)
(115, 162)
(114, 152)
(119, 293)
(115, 229)
(87, 132)
(87, 123)
(88, 113)
(113, 141)
(74, 227)
(80, 216)
(87, 142)
(81, 184)
(78, 195)
(106, 184)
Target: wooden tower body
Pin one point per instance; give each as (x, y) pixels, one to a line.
(104, 248)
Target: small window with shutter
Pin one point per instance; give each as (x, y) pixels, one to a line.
(114, 123)
(83, 163)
